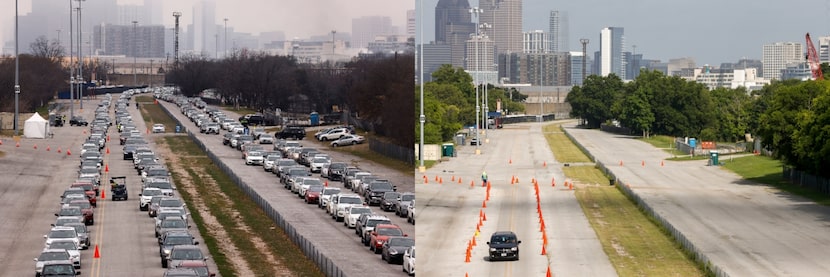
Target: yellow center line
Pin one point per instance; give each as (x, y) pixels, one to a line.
(508, 269)
(96, 263)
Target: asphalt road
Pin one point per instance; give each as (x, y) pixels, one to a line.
(32, 182)
(337, 242)
(746, 229)
(448, 213)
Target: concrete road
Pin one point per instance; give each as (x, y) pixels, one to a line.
(32, 182)
(746, 229)
(334, 240)
(448, 213)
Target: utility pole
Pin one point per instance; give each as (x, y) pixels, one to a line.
(421, 118)
(150, 74)
(135, 53)
(332, 42)
(80, 57)
(16, 73)
(176, 43)
(584, 42)
(476, 11)
(71, 65)
(226, 38)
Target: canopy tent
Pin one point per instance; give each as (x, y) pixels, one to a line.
(36, 127)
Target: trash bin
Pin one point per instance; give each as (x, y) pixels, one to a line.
(178, 129)
(459, 139)
(447, 150)
(713, 157)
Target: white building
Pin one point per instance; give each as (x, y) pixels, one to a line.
(410, 23)
(777, 56)
(366, 28)
(611, 44)
(536, 42)
(718, 78)
(824, 49)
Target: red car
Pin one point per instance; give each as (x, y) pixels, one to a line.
(89, 189)
(312, 194)
(381, 234)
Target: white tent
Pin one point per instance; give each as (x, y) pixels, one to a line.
(36, 127)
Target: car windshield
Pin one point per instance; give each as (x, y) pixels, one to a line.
(312, 182)
(186, 254)
(360, 210)
(68, 245)
(390, 232)
(73, 211)
(294, 172)
(337, 166)
(375, 222)
(379, 185)
(315, 188)
(81, 204)
(170, 203)
(503, 239)
(58, 269)
(157, 172)
(407, 197)
(173, 223)
(331, 191)
(202, 270)
(320, 160)
(390, 195)
(88, 187)
(161, 185)
(151, 192)
(89, 170)
(79, 228)
(53, 256)
(401, 242)
(350, 200)
(62, 234)
(178, 240)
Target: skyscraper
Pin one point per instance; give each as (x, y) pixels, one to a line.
(204, 27)
(448, 15)
(481, 59)
(410, 23)
(366, 28)
(611, 44)
(505, 17)
(824, 49)
(536, 42)
(777, 56)
(559, 31)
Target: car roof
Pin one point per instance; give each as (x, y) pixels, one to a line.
(393, 226)
(192, 263)
(186, 246)
(504, 233)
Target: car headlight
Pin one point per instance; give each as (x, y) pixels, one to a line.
(492, 249)
(514, 249)
(392, 251)
(166, 252)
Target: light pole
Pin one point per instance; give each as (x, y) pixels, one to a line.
(584, 42)
(421, 118)
(226, 38)
(16, 73)
(135, 45)
(484, 27)
(475, 11)
(80, 58)
(150, 74)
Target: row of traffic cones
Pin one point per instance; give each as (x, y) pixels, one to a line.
(643, 163)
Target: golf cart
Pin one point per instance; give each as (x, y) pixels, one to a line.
(118, 188)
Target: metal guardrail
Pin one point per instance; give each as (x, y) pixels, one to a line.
(678, 236)
(309, 249)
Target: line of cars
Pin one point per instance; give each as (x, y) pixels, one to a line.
(178, 250)
(69, 234)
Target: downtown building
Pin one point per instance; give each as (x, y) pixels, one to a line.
(480, 61)
(558, 30)
(777, 56)
(365, 29)
(714, 78)
(611, 59)
(130, 41)
(453, 27)
(505, 20)
(824, 49)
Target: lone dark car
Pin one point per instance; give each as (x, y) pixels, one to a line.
(77, 120)
(392, 250)
(504, 246)
(291, 132)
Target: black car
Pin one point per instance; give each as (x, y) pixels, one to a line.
(170, 239)
(393, 249)
(77, 120)
(291, 132)
(504, 246)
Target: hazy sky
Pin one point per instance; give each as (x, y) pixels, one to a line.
(711, 31)
(295, 17)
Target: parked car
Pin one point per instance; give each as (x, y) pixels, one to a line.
(387, 200)
(77, 120)
(393, 249)
(70, 246)
(59, 268)
(409, 261)
(348, 140)
(297, 133)
(381, 234)
(171, 239)
(266, 139)
(333, 134)
(326, 195)
(504, 245)
(200, 266)
(158, 128)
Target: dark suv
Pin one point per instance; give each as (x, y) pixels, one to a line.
(504, 246)
(374, 192)
(291, 132)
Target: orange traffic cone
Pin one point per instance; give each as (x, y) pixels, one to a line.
(84, 132)
(35, 146)
(453, 178)
(484, 204)
(544, 238)
(48, 148)
(459, 180)
(108, 150)
(472, 184)
(473, 241)
(548, 274)
(553, 182)
(108, 139)
(68, 153)
(103, 194)
(97, 254)
(467, 256)
(436, 178)
(621, 163)
(441, 180)
(106, 168)
(326, 183)
(570, 185)
(17, 145)
(644, 163)
(59, 149)
(661, 163)
(483, 216)
(544, 250)
(426, 180)
(544, 164)
(510, 161)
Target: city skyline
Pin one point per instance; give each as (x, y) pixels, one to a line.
(301, 19)
(664, 30)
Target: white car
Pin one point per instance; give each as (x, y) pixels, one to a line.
(254, 158)
(353, 213)
(410, 214)
(308, 182)
(71, 247)
(270, 162)
(266, 139)
(62, 232)
(326, 195)
(51, 255)
(146, 195)
(343, 201)
(316, 164)
(158, 128)
(333, 134)
(348, 140)
(409, 261)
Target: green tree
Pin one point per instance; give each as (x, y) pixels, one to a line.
(593, 100)
(811, 139)
(732, 108)
(635, 112)
(780, 122)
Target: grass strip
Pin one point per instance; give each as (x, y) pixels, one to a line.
(586, 174)
(363, 152)
(153, 113)
(242, 207)
(766, 170)
(564, 150)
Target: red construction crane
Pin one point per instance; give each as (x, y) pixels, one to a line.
(812, 60)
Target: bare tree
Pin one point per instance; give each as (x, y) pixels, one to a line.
(51, 50)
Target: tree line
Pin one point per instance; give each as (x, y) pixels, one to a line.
(790, 117)
(372, 88)
(449, 103)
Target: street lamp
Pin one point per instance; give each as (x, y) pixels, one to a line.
(135, 46)
(80, 58)
(226, 37)
(16, 73)
(421, 118)
(71, 65)
(484, 27)
(475, 11)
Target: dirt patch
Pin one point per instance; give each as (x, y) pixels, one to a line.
(214, 228)
(619, 248)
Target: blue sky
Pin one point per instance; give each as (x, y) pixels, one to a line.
(710, 31)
